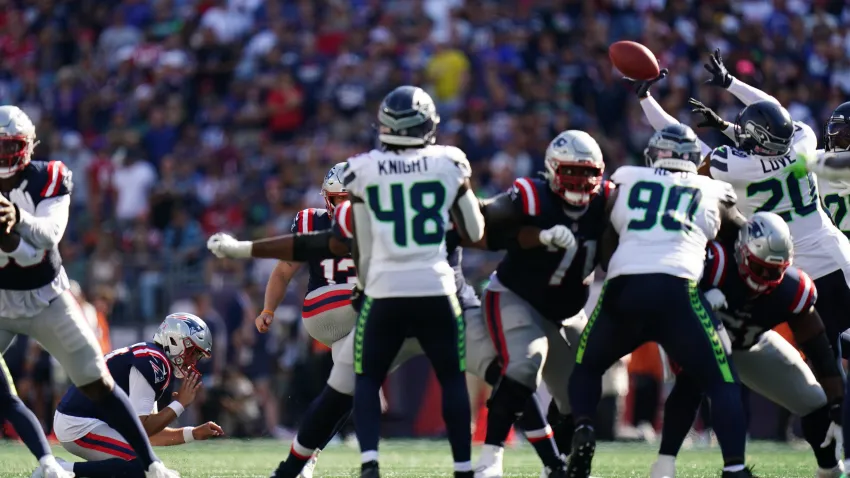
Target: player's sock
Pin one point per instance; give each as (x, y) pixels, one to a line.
(727, 420)
(504, 407)
(845, 419)
(118, 413)
(326, 414)
(109, 468)
(563, 427)
(25, 424)
(367, 413)
(815, 426)
(680, 409)
(585, 392)
(457, 417)
(539, 433)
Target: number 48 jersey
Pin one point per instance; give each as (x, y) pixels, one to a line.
(408, 195)
(664, 219)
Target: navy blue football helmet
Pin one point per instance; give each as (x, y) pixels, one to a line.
(407, 118)
(836, 135)
(764, 128)
(673, 147)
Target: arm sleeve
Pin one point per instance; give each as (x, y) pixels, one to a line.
(471, 219)
(142, 395)
(749, 94)
(45, 228)
(363, 241)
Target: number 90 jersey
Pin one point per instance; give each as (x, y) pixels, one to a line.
(664, 219)
(408, 195)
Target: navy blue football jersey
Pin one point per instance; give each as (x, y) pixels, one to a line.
(555, 282)
(747, 317)
(329, 271)
(147, 357)
(39, 180)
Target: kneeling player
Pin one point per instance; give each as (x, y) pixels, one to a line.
(143, 371)
(756, 291)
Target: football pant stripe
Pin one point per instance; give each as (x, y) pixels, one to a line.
(493, 316)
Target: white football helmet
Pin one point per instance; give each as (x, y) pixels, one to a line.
(763, 251)
(574, 167)
(186, 339)
(332, 186)
(17, 140)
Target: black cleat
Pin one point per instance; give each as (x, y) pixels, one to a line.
(581, 457)
(559, 472)
(465, 474)
(370, 470)
(745, 473)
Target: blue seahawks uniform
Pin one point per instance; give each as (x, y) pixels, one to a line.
(40, 180)
(147, 357)
(746, 318)
(552, 281)
(330, 271)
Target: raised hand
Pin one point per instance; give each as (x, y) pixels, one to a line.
(719, 74)
(710, 119)
(641, 87)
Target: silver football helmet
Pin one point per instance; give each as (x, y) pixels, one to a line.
(17, 140)
(332, 186)
(574, 167)
(186, 339)
(763, 251)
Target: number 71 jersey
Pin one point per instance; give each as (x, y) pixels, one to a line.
(408, 195)
(664, 219)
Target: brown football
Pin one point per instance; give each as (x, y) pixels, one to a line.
(633, 60)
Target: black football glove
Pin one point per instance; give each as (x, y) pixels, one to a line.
(642, 86)
(719, 74)
(710, 119)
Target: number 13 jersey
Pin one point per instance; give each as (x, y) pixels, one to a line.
(664, 219)
(408, 195)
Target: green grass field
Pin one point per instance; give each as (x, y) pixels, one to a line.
(420, 458)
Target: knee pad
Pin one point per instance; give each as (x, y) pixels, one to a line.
(509, 397)
(525, 370)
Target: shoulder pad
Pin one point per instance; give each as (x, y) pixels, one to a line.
(715, 264)
(50, 179)
(804, 139)
(625, 174)
(343, 225)
(801, 288)
(153, 365)
(305, 220)
(526, 191)
(459, 158)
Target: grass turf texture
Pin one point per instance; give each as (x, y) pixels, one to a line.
(426, 458)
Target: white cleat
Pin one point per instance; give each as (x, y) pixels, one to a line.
(831, 473)
(663, 469)
(158, 470)
(51, 468)
(307, 471)
(490, 462)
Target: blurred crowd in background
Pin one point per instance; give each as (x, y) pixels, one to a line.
(180, 118)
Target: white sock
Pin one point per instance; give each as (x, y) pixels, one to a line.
(734, 468)
(492, 450)
(846, 464)
(463, 466)
(301, 450)
(367, 456)
(666, 459)
(47, 460)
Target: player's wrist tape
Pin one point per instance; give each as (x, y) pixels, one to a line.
(188, 436)
(177, 407)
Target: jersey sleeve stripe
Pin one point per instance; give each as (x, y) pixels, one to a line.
(607, 188)
(719, 165)
(805, 296)
(343, 218)
(54, 170)
(305, 220)
(718, 267)
(530, 204)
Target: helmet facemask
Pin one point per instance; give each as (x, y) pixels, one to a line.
(329, 199)
(760, 276)
(15, 153)
(576, 182)
(837, 137)
(185, 363)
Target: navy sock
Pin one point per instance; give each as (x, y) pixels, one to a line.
(845, 410)
(563, 428)
(585, 392)
(504, 408)
(457, 416)
(113, 468)
(118, 413)
(814, 427)
(367, 412)
(728, 421)
(539, 433)
(24, 422)
(679, 413)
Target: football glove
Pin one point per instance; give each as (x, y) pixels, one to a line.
(710, 119)
(642, 86)
(558, 236)
(357, 297)
(834, 433)
(719, 74)
(226, 246)
(716, 299)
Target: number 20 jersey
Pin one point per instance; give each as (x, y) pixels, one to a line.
(664, 219)
(762, 184)
(408, 194)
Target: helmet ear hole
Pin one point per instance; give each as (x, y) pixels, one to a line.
(173, 342)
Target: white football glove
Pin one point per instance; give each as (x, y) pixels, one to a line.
(558, 236)
(226, 246)
(834, 432)
(716, 299)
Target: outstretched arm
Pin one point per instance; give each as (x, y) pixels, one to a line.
(300, 247)
(748, 94)
(466, 213)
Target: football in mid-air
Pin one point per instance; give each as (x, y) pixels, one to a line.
(633, 60)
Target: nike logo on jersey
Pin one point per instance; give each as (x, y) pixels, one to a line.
(397, 166)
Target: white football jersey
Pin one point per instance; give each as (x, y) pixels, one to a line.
(763, 184)
(836, 200)
(408, 194)
(664, 219)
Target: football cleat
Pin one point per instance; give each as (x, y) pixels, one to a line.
(309, 467)
(663, 469)
(581, 458)
(745, 473)
(490, 462)
(370, 470)
(158, 470)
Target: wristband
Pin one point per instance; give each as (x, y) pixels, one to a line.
(267, 311)
(188, 437)
(177, 407)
